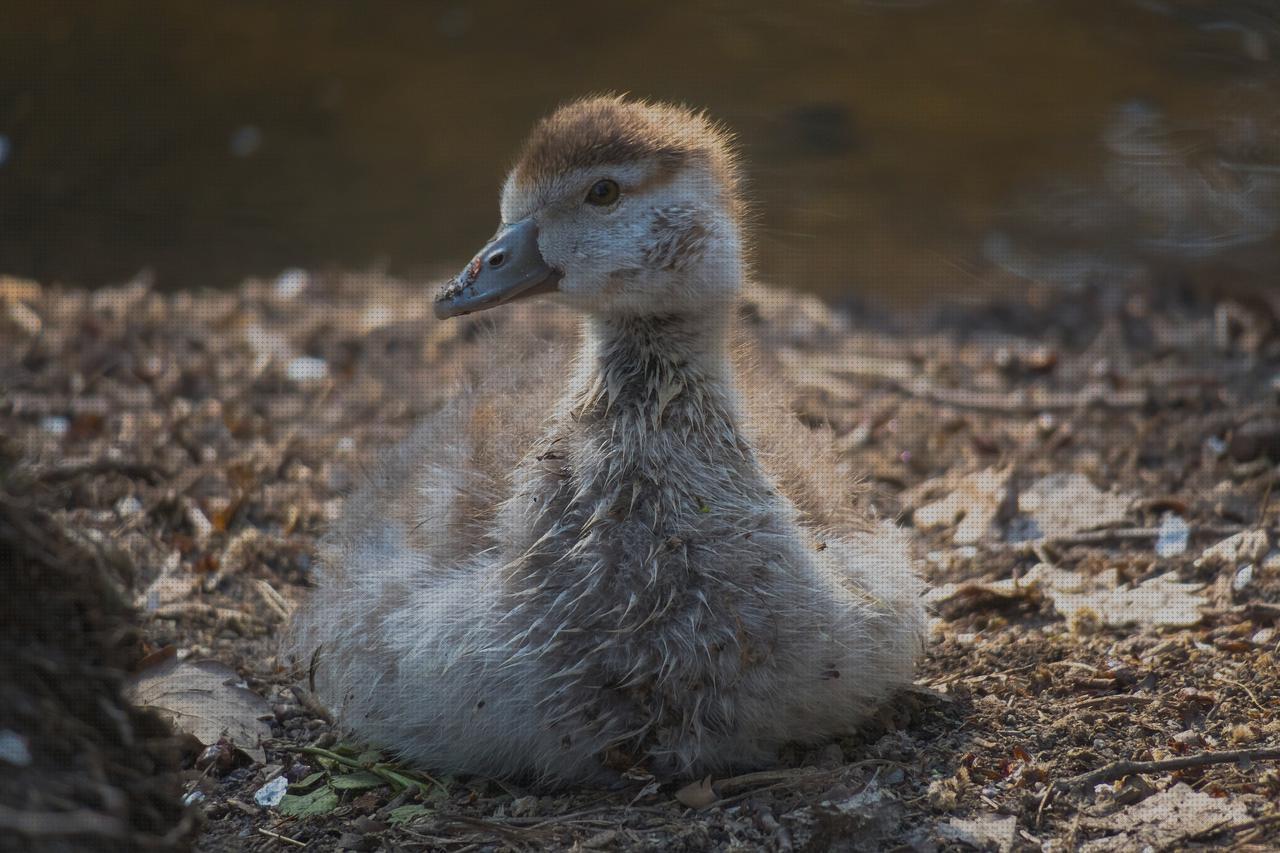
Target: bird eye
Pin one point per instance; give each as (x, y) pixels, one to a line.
(603, 193)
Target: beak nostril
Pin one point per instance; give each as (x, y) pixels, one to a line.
(497, 259)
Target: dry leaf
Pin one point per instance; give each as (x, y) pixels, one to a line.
(974, 507)
(1166, 820)
(202, 699)
(1162, 601)
(697, 795)
(1063, 504)
(985, 831)
(1248, 546)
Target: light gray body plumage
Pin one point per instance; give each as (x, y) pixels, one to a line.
(555, 586)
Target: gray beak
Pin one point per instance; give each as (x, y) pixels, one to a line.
(510, 267)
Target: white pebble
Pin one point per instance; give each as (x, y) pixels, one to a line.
(307, 368)
(291, 283)
(270, 794)
(346, 444)
(200, 523)
(128, 505)
(1244, 577)
(193, 797)
(1173, 536)
(14, 749)
(55, 425)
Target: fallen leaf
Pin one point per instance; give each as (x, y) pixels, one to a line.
(697, 795)
(203, 699)
(408, 814)
(1066, 503)
(974, 507)
(954, 600)
(1247, 546)
(321, 801)
(1165, 821)
(359, 781)
(1162, 601)
(986, 831)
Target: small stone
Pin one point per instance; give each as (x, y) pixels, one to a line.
(291, 283)
(55, 425)
(14, 749)
(127, 506)
(1173, 536)
(307, 369)
(1242, 579)
(270, 794)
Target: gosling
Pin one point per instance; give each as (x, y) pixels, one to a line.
(622, 557)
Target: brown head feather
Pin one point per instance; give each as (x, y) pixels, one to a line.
(608, 130)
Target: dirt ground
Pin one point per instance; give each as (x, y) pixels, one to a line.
(1090, 475)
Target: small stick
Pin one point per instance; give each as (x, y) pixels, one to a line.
(278, 837)
(1116, 699)
(1119, 769)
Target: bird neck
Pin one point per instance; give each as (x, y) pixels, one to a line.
(631, 363)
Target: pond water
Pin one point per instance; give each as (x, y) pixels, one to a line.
(896, 149)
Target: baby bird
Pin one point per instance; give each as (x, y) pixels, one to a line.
(621, 557)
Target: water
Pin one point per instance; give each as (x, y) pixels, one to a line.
(896, 149)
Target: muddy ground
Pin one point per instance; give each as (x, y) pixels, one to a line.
(1090, 475)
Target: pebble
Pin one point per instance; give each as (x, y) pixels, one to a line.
(1173, 536)
(291, 283)
(55, 425)
(270, 794)
(127, 506)
(306, 369)
(14, 749)
(1244, 577)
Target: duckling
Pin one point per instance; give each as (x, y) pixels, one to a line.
(610, 555)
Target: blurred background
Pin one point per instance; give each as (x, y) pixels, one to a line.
(898, 149)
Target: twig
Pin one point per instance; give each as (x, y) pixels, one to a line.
(133, 470)
(278, 837)
(1234, 683)
(790, 777)
(1119, 769)
(1117, 699)
(1096, 537)
(273, 599)
(308, 701)
(1020, 401)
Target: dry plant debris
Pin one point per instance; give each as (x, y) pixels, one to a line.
(1091, 487)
